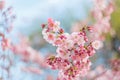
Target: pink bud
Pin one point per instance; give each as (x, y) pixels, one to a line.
(43, 25)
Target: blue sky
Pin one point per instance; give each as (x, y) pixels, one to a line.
(29, 11)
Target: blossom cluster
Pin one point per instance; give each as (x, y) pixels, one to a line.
(21, 49)
(101, 73)
(115, 64)
(28, 55)
(100, 22)
(6, 22)
(102, 14)
(73, 50)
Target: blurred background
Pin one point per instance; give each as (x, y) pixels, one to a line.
(29, 17)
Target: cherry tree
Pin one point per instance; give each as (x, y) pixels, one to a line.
(6, 23)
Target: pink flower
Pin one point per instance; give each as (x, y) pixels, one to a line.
(97, 44)
(76, 37)
(97, 14)
(57, 42)
(50, 37)
(5, 43)
(90, 28)
(50, 23)
(61, 51)
(43, 25)
(109, 9)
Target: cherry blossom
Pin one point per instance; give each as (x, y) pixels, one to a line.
(6, 22)
(97, 44)
(73, 50)
(27, 53)
(102, 14)
(102, 73)
(100, 23)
